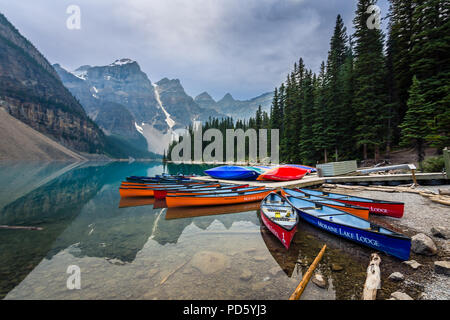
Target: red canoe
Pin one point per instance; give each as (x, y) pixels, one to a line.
(280, 218)
(284, 173)
(382, 207)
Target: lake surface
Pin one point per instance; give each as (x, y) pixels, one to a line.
(137, 249)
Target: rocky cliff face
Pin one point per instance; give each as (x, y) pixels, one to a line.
(32, 92)
(93, 86)
(123, 82)
(182, 108)
(205, 101)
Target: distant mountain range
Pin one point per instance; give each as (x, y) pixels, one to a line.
(124, 102)
(114, 110)
(235, 108)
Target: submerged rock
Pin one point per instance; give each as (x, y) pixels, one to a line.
(210, 262)
(259, 259)
(246, 275)
(397, 276)
(336, 267)
(275, 271)
(400, 296)
(423, 244)
(319, 280)
(442, 267)
(413, 264)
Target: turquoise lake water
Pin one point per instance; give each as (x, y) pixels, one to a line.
(141, 250)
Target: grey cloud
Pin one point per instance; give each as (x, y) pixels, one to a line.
(245, 47)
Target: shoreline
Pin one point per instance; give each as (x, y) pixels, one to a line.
(421, 214)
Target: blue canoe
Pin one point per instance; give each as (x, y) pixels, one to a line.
(233, 173)
(353, 228)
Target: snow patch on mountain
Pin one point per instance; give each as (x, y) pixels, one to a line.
(170, 122)
(121, 62)
(139, 128)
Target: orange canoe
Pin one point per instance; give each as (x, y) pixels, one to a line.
(217, 199)
(150, 191)
(204, 191)
(352, 209)
(187, 212)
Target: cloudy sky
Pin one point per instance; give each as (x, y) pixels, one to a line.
(245, 47)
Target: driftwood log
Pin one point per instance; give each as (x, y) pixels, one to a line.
(373, 280)
(302, 285)
(20, 228)
(171, 273)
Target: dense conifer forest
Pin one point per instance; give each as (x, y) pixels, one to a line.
(374, 93)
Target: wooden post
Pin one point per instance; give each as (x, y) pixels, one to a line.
(301, 287)
(413, 171)
(447, 162)
(373, 280)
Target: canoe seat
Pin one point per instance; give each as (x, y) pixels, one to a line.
(332, 215)
(276, 210)
(284, 219)
(308, 208)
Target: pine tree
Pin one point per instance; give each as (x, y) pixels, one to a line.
(306, 142)
(431, 64)
(335, 95)
(320, 143)
(398, 62)
(413, 129)
(370, 102)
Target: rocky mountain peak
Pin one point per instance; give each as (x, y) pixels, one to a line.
(204, 97)
(170, 84)
(227, 98)
(121, 62)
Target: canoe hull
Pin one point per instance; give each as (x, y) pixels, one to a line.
(162, 193)
(283, 174)
(386, 208)
(285, 236)
(395, 246)
(233, 173)
(189, 201)
(194, 193)
(394, 210)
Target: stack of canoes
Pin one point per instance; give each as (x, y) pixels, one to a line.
(194, 193)
(268, 173)
(132, 189)
(159, 179)
(325, 211)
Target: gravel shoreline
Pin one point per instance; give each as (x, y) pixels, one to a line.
(420, 216)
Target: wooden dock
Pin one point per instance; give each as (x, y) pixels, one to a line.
(314, 180)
